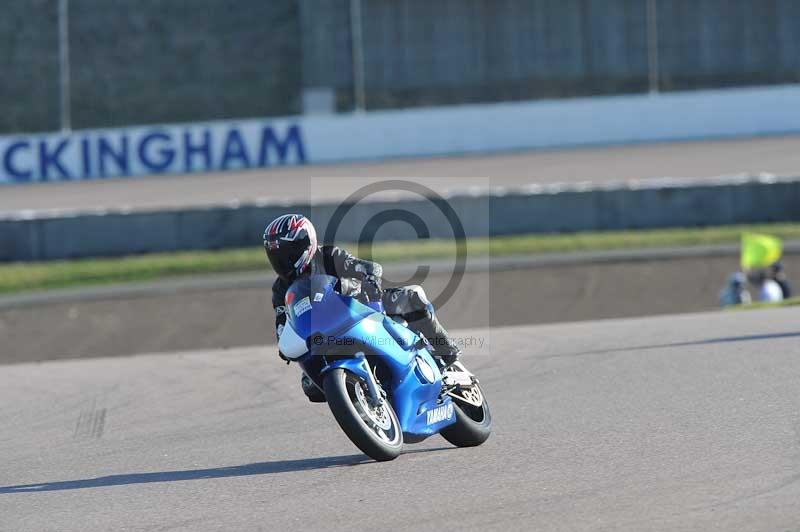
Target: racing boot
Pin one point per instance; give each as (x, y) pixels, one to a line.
(314, 394)
(444, 349)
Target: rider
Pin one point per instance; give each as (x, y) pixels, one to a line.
(290, 241)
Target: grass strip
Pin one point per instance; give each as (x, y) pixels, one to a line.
(19, 277)
(791, 302)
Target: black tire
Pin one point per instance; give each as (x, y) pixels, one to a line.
(339, 390)
(473, 424)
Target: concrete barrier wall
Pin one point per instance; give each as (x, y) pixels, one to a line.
(493, 212)
(233, 145)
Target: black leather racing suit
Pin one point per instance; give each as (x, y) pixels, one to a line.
(362, 277)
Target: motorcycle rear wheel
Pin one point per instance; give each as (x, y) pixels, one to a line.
(374, 430)
(473, 424)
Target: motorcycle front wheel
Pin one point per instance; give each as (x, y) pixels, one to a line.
(373, 429)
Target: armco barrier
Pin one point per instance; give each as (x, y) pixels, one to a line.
(532, 209)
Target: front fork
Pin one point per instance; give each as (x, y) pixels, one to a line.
(358, 366)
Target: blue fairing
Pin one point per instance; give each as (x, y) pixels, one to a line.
(314, 307)
(329, 321)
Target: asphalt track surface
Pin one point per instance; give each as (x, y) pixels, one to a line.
(682, 422)
(698, 159)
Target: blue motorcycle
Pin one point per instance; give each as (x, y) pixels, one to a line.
(380, 381)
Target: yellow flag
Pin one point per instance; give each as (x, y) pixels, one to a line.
(759, 251)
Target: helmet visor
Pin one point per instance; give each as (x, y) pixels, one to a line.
(283, 255)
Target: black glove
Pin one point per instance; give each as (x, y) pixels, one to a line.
(371, 286)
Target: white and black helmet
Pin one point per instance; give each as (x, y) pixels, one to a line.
(290, 242)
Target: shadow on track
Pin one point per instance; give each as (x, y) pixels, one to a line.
(260, 468)
(726, 340)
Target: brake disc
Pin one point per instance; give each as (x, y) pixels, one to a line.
(376, 414)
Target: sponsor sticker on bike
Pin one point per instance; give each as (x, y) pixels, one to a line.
(440, 413)
(302, 306)
(317, 297)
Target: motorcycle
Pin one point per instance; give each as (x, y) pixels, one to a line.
(380, 381)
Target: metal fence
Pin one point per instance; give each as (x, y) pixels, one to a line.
(122, 62)
(417, 52)
(96, 63)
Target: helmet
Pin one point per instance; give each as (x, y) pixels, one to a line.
(290, 242)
